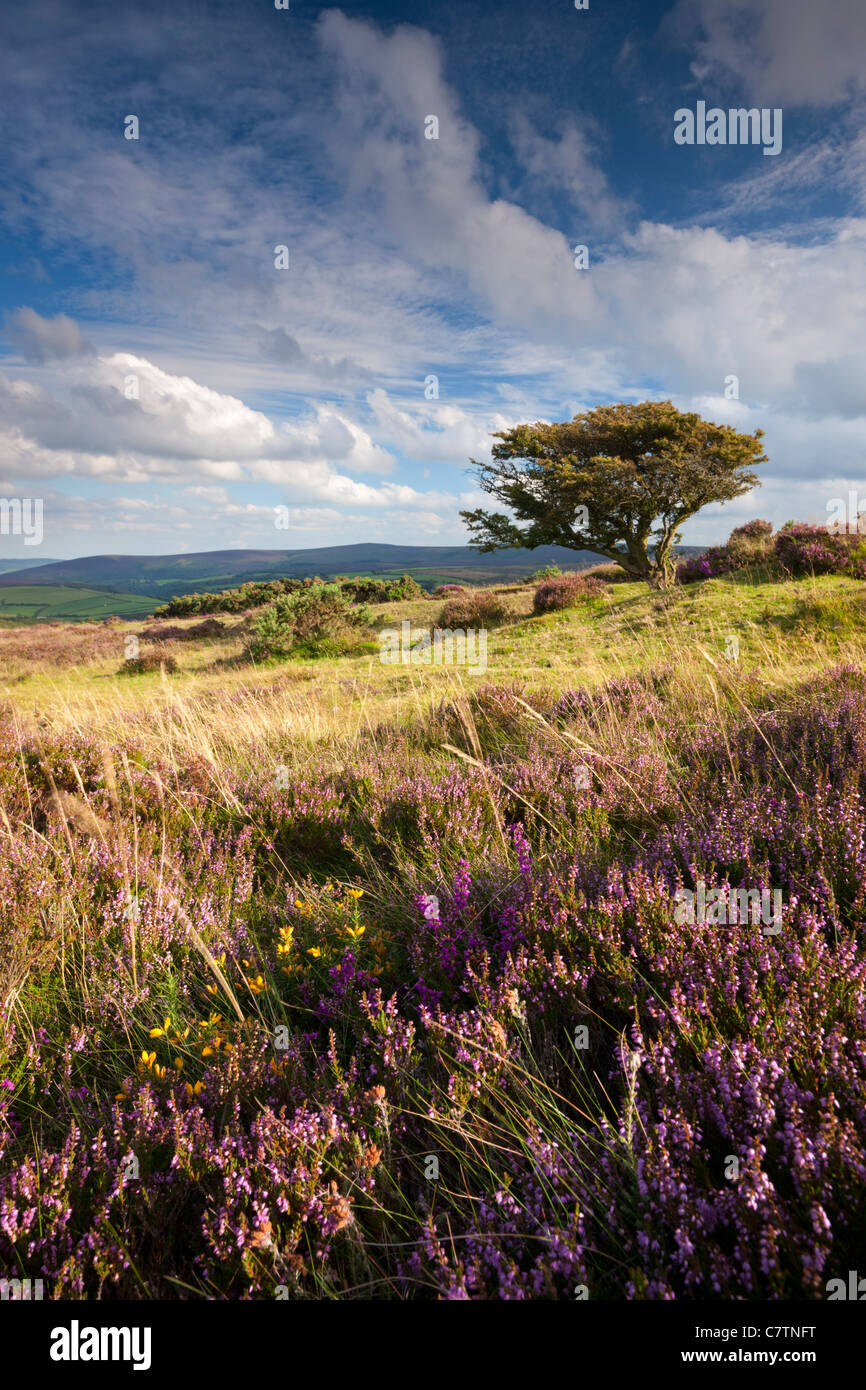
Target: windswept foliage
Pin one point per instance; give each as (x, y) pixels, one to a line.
(619, 480)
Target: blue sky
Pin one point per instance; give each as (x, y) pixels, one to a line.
(163, 386)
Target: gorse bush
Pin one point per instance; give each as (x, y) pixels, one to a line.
(382, 590)
(546, 572)
(258, 594)
(317, 621)
(252, 595)
(566, 591)
(475, 608)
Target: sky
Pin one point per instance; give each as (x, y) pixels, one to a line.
(167, 382)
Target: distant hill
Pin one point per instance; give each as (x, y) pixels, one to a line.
(164, 576)
(45, 603)
(6, 566)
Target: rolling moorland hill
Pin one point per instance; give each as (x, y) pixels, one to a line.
(328, 977)
(17, 565)
(164, 576)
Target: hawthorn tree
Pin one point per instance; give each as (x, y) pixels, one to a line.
(619, 480)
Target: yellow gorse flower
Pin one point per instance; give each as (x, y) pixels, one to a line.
(158, 1032)
(315, 951)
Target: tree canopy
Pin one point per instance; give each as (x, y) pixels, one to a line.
(619, 480)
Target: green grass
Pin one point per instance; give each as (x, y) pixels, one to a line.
(59, 603)
(786, 631)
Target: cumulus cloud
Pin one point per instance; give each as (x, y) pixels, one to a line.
(430, 193)
(172, 429)
(125, 406)
(434, 430)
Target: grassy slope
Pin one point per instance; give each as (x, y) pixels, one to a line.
(786, 631)
(236, 719)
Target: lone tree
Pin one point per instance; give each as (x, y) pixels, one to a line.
(618, 480)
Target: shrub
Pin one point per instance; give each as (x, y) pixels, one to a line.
(714, 562)
(208, 627)
(753, 530)
(798, 548)
(317, 621)
(610, 573)
(252, 595)
(804, 549)
(448, 590)
(382, 590)
(566, 591)
(546, 572)
(749, 544)
(367, 590)
(150, 661)
(477, 608)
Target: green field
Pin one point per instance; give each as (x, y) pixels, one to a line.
(47, 603)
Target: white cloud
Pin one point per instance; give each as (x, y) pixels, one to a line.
(794, 52)
(44, 340)
(567, 165)
(405, 263)
(433, 430)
